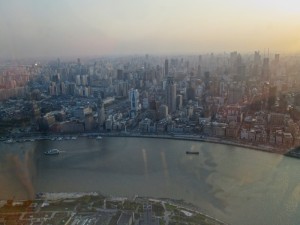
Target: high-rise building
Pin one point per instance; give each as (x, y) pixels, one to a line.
(171, 94)
(63, 89)
(134, 99)
(199, 68)
(266, 69)
(272, 96)
(101, 114)
(162, 112)
(84, 80)
(179, 101)
(78, 80)
(256, 64)
(190, 92)
(235, 94)
(166, 67)
(257, 58)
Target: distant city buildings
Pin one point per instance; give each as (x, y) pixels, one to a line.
(171, 94)
(252, 99)
(134, 101)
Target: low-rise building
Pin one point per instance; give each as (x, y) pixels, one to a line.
(287, 139)
(74, 126)
(232, 130)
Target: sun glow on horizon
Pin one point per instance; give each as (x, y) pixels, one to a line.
(139, 26)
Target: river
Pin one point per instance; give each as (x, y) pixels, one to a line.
(237, 185)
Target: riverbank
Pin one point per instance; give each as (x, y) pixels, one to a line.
(215, 140)
(49, 207)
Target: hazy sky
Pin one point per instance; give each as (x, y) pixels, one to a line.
(58, 28)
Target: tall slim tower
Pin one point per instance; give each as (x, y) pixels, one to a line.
(171, 94)
(101, 114)
(134, 99)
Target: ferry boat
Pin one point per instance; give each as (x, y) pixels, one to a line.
(192, 153)
(52, 152)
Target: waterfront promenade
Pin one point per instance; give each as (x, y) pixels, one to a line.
(189, 137)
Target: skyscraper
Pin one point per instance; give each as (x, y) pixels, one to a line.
(101, 114)
(179, 101)
(266, 69)
(257, 58)
(171, 94)
(166, 67)
(134, 99)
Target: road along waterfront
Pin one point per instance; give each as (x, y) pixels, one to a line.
(236, 185)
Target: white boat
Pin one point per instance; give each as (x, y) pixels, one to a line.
(52, 152)
(9, 141)
(74, 138)
(98, 138)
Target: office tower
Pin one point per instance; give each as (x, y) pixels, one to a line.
(134, 99)
(179, 101)
(63, 89)
(235, 94)
(256, 64)
(199, 72)
(78, 80)
(206, 79)
(101, 113)
(257, 58)
(190, 93)
(266, 69)
(53, 89)
(272, 96)
(171, 94)
(84, 80)
(166, 67)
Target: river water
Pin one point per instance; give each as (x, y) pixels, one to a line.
(236, 185)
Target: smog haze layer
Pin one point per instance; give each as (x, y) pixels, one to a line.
(31, 28)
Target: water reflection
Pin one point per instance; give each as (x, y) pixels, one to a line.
(236, 185)
(18, 171)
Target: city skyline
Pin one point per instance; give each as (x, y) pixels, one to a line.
(90, 28)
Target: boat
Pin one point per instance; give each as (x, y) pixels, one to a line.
(293, 154)
(192, 153)
(9, 141)
(52, 152)
(98, 138)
